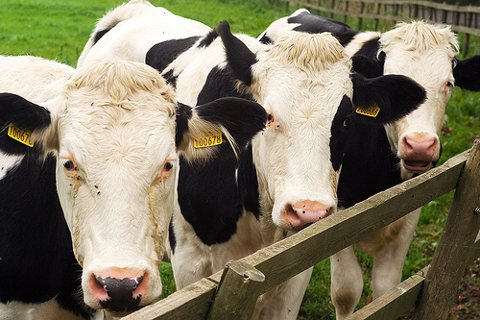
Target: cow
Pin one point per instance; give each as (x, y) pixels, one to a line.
(89, 167)
(378, 158)
(229, 208)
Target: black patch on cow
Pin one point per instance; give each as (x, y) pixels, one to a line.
(212, 199)
(100, 34)
(220, 83)
(369, 166)
(240, 59)
(340, 131)
(368, 61)
(171, 237)
(312, 23)
(170, 78)
(265, 39)
(35, 245)
(23, 113)
(396, 95)
(162, 54)
(467, 73)
(208, 39)
(184, 113)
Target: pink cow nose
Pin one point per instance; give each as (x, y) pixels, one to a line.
(301, 214)
(419, 152)
(119, 290)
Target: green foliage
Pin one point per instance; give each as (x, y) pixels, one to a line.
(58, 29)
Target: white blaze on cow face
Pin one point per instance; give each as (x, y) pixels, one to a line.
(301, 82)
(116, 176)
(424, 53)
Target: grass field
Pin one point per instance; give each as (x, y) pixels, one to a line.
(58, 29)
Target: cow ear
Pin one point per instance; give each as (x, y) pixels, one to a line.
(385, 99)
(240, 59)
(218, 129)
(24, 125)
(467, 73)
(367, 67)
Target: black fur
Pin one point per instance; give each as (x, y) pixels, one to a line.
(100, 34)
(208, 39)
(240, 58)
(366, 62)
(184, 113)
(212, 200)
(396, 95)
(467, 73)
(162, 54)
(35, 245)
(23, 113)
(340, 130)
(170, 78)
(312, 23)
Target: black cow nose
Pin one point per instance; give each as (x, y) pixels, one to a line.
(120, 293)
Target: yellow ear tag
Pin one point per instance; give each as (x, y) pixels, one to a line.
(209, 141)
(21, 135)
(368, 111)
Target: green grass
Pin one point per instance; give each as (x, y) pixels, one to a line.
(58, 29)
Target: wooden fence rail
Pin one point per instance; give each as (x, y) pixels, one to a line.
(232, 293)
(463, 19)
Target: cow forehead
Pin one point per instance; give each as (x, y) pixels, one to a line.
(118, 109)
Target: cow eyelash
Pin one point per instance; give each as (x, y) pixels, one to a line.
(450, 84)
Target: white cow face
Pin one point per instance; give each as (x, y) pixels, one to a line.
(304, 82)
(116, 130)
(424, 53)
(301, 82)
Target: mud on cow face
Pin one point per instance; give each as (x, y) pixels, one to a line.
(305, 84)
(116, 130)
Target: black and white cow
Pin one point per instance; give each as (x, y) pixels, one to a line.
(106, 193)
(378, 158)
(229, 208)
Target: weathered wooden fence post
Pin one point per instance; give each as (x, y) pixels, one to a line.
(458, 236)
(237, 292)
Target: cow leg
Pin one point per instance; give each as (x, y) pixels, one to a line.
(347, 282)
(388, 262)
(283, 302)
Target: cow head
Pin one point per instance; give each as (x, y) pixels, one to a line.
(424, 53)
(304, 83)
(116, 130)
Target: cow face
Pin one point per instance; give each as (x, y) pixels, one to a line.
(304, 82)
(116, 130)
(424, 53)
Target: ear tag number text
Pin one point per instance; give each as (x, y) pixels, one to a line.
(209, 141)
(21, 135)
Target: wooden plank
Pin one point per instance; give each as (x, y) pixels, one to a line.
(237, 293)
(191, 302)
(306, 248)
(395, 302)
(454, 247)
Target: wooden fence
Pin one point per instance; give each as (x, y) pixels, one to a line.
(233, 292)
(463, 19)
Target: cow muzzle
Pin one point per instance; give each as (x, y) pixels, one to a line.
(419, 152)
(120, 291)
(301, 214)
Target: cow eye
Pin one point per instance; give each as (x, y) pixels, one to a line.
(450, 84)
(69, 165)
(167, 166)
